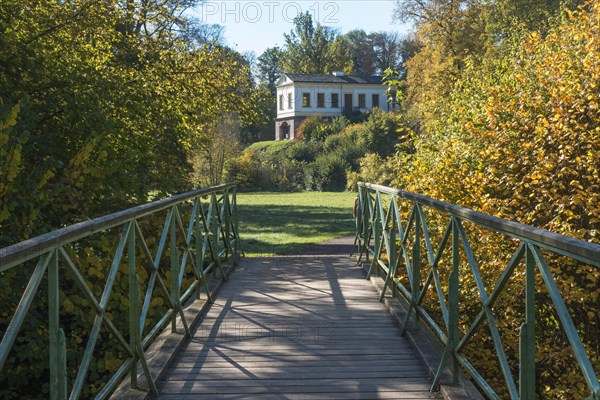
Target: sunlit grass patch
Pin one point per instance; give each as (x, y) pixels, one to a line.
(283, 223)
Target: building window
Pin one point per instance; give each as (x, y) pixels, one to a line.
(375, 101)
(335, 100)
(290, 101)
(306, 100)
(321, 100)
(281, 102)
(362, 101)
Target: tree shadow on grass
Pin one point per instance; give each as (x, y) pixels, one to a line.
(289, 221)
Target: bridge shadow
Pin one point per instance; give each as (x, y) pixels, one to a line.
(301, 327)
(257, 222)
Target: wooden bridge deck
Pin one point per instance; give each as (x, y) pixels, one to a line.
(307, 327)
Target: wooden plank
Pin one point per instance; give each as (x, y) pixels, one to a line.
(308, 348)
(303, 346)
(175, 375)
(297, 329)
(292, 364)
(231, 357)
(362, 371)
(301, 359)
(302, 396)
(302, 386)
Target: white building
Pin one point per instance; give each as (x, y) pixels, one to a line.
(302, 95)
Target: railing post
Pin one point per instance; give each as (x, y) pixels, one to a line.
(234, 217)
(527, 332)
(199, 250)
(357, 222)
(393, 257)
(366, 221)
(58, 366)
(453, 294)
(134, 299)
(226, 222)
(377, 233)
(416, 267)
(135, 327)
(174, 257)
(363, 227)
(213, 216)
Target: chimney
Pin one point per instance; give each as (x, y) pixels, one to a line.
(338, 73)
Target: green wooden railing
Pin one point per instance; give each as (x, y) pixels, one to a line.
(197, 249)
(382, 235)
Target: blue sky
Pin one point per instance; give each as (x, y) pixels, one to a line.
(257, 25)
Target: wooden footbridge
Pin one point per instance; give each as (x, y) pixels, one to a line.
(153, 302)
(297, 328)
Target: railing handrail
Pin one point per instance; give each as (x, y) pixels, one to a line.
(578, 249)
(198, 240)
(31, 248)
(382, 233)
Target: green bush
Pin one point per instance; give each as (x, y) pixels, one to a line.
(356, 117)
(351, 153)
(325, 153)
(372, 168)
(243, 169)
(335, 141)
(379, 134)
(327, 129)
(270, 146)
(304, 151)
(308, 128)
(330, 172)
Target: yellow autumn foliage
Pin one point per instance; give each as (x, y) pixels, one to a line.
(520, 139)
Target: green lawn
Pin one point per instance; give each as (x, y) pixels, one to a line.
(283, 223)
(270, 146)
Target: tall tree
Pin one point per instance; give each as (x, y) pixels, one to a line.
(409, 47)
(314, 49)
(361, 52)
(153, 18)
(210, 157)
(386, 48)
(269, 68)
(205, 34)
(101, 115)
(375, 52)
(452, 32)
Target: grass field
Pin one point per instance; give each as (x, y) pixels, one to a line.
(270, 146)
(283, 223)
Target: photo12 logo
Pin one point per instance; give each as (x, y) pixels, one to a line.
(254, 12)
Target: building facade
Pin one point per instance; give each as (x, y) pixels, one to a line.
(302, 95)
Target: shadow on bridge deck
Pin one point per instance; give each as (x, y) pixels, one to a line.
(298, 327)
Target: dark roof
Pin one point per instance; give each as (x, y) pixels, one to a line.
(330, 78)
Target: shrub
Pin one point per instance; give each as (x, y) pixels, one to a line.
(330, 172)
(303, 151)
(379, 134)
(316, 128)
(308, 128)
(335, 126)
(356, 117)
(335, 141)
(373, 169)
(243, 169)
